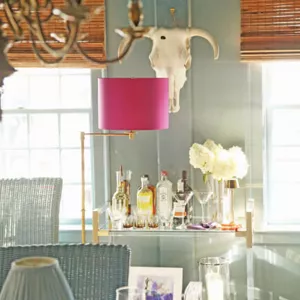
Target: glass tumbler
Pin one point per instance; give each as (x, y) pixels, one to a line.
(130, 293)
(215, 278)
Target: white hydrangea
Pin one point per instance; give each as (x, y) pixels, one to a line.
(212, 146)
(223, 164)
(201, 158)
(240, 161)
(224, 167)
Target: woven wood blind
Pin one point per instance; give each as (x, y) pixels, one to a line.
(270, 29)
(22, 55)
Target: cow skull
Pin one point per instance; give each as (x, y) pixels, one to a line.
(171, 55)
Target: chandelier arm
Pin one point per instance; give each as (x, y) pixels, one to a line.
(48, 2)
(12, 22)
(40, 57)
(74, 29)
(38, 31)
(103, 62)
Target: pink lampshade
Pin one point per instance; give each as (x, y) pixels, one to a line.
(133, 103)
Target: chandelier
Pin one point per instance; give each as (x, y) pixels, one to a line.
(74, 14)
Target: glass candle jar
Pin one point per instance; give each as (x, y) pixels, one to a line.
(215, 278)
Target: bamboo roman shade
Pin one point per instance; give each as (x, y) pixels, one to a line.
(270, 29)
(93, 41)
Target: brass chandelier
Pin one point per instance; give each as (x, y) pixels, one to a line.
(74, 14)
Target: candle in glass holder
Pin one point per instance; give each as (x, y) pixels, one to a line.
(214, 286)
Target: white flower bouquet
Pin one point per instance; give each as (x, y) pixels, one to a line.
(222, 164)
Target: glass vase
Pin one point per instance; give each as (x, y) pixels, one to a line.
(218, 190)
(215, 278)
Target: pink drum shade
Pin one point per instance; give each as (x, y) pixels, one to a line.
(133, 103)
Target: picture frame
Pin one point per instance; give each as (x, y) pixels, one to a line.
(164, 283)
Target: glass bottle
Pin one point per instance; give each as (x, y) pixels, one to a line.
(184, 191)
(188, 191)
(127, 188)
(153, 189)
(120, 198)
(144, 199)
(164, 198)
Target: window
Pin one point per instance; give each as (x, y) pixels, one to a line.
(282, 176)
(44, 111)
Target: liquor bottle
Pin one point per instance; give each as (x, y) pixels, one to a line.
(153, 189)
(183, 192)
(189, 192)
(127, 187)
(120, 198)
(164, 204)
(144, 199)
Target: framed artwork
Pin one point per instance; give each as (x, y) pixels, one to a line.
(162, 283)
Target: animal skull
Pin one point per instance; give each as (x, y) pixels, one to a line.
(171, 56)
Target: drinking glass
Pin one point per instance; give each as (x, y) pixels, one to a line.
(193, 291)
(130, 293)
(140, 222)
(214, 274)
(166, 219)
(117, 217)
(153, 222)
(203, 198)
(129, 222)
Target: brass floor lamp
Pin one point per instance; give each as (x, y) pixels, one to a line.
(130, 134)
(127, 105)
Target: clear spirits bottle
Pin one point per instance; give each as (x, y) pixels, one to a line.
(120, 198)
(144, 199)
(184, 191)
(164, 204)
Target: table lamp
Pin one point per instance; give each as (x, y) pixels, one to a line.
(127, 105)
(36, 278)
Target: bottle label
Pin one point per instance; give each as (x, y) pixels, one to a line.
(179, 210)
(163, 194)
(164, 202)
(180, 186)
(144, 204)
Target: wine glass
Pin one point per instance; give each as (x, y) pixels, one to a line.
(182, 199)
(203, 198)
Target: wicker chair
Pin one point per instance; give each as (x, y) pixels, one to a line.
(94, 272)
(29, 211)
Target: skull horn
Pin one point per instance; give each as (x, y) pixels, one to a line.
(124, 42)
(204, 34)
